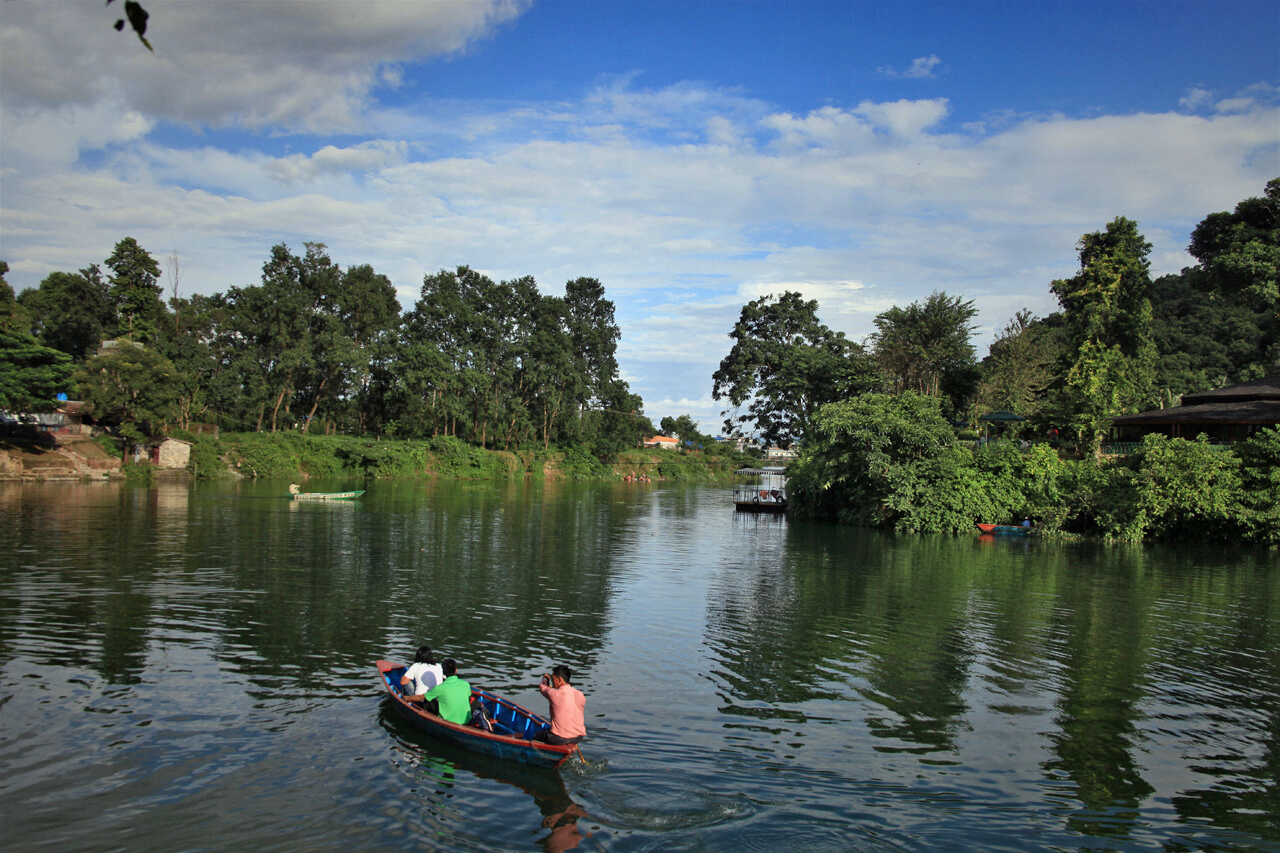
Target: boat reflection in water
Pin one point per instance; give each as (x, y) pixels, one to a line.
(452, 765)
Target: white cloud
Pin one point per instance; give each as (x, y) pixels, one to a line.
(1196, 98)
(292, 65)
(371, 156)
(921, 68)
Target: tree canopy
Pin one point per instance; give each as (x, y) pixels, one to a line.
(785, 365)
(926, 348)
(1107, 306)
(1240, 251)
(31, 374)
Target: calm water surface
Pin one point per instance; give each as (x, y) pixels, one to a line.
(191, 668)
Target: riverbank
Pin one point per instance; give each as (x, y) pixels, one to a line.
(81, 459)
(301, 457)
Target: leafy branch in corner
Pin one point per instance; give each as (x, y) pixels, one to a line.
(137, 20)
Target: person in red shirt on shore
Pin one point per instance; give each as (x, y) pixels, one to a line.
(568, 706)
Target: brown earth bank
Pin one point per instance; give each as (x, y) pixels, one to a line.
(68, 459)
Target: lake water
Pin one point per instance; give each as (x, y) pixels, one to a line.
(192, 668)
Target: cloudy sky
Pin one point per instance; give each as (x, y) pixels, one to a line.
(692, 156)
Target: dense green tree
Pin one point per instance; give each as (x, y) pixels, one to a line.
(686, 429)
(1173, 487)
(1206, 338)
(618, 424)
(1020, 367)
(785, 365)
(594, 333)
(72, 312)
(284, 326)
(1240, 251)
(887, 460)
(549, 371)
(1107, 307)
(370, 316)
(926, 348)
(350, 313)
(1260, 486)
(13, 315)
(31, 375)
(134, 291)
(505, 365)
(131, 384)
(608, 415)
(195, 341)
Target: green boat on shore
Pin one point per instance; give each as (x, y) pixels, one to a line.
(296, 495)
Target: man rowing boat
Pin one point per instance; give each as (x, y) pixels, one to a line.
(568, 708)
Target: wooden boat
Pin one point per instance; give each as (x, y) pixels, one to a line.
(513, 726)
(325, 496)
(1004, 529)
(768, 492)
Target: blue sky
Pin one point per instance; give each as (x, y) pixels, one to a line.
(691, 155)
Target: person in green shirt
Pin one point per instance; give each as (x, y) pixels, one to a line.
(451, 698)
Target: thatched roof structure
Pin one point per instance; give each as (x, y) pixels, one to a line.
(1227, 414)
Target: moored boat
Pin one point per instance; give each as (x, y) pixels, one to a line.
(1004, 529)
(296, 495)
(767, 492)
(513, 727)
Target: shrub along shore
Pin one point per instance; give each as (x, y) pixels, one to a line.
(296, 456)
(892, 461)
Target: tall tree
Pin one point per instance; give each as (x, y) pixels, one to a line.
(131, 384)
(1240, 251)
(1019, 367)
(287, 323)
(72, 312)
(13, 315)
(926, 347)
(350, 313)
(594, 332)
(370, 315)
(31, 375)
(550, 371)
(1107, 307)
(784, 365)
(135, 291)
(684, 428)
(1207, 338)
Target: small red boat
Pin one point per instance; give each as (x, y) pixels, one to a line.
(513, 726)
(1004, 529)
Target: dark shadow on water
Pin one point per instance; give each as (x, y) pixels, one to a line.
(451, 763)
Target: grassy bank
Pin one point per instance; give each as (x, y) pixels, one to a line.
(291, 455)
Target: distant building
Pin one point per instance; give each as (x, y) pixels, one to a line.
(780, 454)
(164, 452)
(739, 442)
(1225, 415)
(107, 346)
(67, 419)
(662, 441)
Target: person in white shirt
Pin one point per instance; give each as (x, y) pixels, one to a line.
(422, 675)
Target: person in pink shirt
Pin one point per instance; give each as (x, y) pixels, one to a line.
(568, 707)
